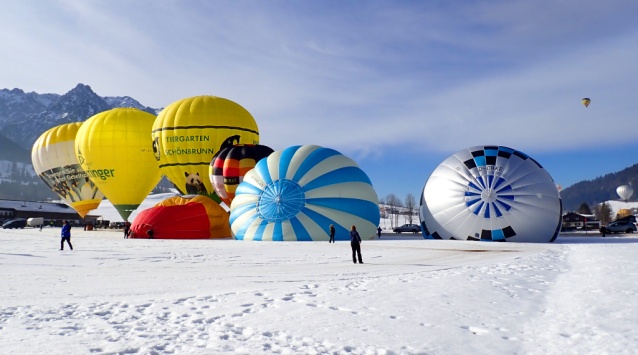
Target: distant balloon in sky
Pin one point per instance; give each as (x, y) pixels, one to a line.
(188, 133)
(625, 192)
(560, 188)
(227, 169)
(491, 193)
(297, 193)
(54, 160)
(586, 101)
(115, 150)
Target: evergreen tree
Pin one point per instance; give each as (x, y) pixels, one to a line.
(584, 208)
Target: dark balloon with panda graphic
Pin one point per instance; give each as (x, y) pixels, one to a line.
(228, 167)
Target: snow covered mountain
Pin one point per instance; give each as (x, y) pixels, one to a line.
(21, 112)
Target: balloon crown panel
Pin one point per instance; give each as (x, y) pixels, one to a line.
(298, 192)
(490, 193)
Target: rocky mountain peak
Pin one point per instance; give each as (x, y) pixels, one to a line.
(21, 112)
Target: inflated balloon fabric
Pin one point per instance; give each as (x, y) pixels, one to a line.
(183, 218)
(228, 168)
(297, 193)
(491, 193)
(115, 149)
(188, 133)
(625, 192)
(54, 160)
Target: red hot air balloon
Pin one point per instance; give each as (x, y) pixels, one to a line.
(183, 218)
(228, 168)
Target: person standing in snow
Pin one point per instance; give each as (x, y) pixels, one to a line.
(127, 228)
(332, 234)
(603, 230)
(379, 231)
(66, 235)
(355, 244)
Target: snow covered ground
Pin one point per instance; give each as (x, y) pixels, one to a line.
(413, 296)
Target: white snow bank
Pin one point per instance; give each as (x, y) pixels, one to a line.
(109, 213)
(112, 295)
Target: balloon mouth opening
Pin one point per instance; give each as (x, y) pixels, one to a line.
(140, 231)
(281, 200)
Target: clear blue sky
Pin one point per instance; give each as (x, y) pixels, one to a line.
(398, 86)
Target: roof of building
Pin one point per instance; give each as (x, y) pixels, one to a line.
(36, 206)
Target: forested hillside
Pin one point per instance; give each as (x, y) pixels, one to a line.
(600, 189)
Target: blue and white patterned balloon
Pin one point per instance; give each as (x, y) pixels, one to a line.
(297, 193)
(491, 193)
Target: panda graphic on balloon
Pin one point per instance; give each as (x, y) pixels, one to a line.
(194, 184)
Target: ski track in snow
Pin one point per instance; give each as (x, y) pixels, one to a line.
(413, 296)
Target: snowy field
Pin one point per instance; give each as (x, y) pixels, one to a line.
(413, 296)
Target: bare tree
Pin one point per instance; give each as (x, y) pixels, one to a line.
(392, 201)
(397, 203)
(604, 213)
(410, 205)
(382, 210)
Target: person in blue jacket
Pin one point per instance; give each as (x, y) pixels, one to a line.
(66, 235)
(355, 244)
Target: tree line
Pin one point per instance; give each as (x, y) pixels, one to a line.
(395, 207)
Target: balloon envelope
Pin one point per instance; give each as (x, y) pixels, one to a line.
(297, 193)
(183, 218)
(114, 149)
(625, 192)
(188, 133)
(586, 101)
(228, 168)
(54, 160)
(491, 193)
(623, 213)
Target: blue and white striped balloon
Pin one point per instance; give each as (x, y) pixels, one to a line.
(297, 193)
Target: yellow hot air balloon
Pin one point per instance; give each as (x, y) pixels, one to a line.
(586, 102)
(54, 160)
(114, 149)
(622, 213)
(188, 133)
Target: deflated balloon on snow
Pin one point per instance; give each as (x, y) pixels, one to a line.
(54, 160)
(183, 218)
(491, 193)
(297, 193)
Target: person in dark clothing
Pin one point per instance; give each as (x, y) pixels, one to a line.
(355, 244)
(332, 234)
(603, 230)
(150, 233)
(379, 232)
(127, 228)
(66, 235)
